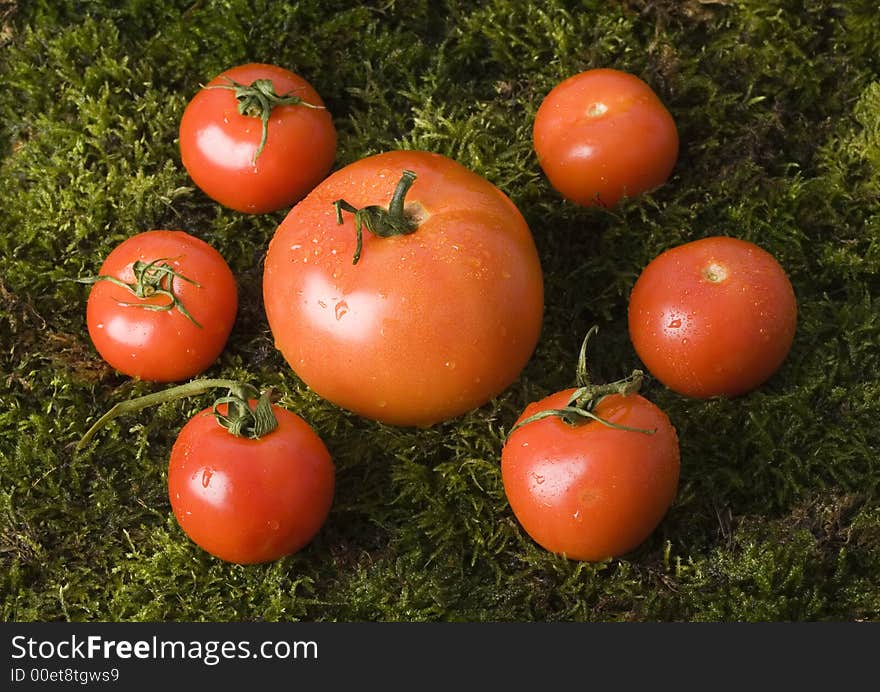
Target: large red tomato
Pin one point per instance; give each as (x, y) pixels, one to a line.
(257, 138)
(603, 134)
(586, 490)
(250, 500)
(422, 325)
(713, 317)
(162, 306)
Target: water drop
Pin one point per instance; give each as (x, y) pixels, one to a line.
(206, 477)
(539, 479)
(674, 324)
(341, 309)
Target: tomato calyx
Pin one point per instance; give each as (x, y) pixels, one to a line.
(257, 100)
(239, 420)
(583, 401)
(154, 278)
(378, 220)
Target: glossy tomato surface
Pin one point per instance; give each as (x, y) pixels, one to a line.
(713, 317)
(588, 491)
(163, 345)
(425, 326)
(218, 145)
(250, 501)
(602, 134)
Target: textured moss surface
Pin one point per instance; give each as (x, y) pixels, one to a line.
(778, 108)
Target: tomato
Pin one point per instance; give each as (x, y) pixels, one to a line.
(586, 490)
(603, 134)
(250, 500)
(162, 306)
(234, 160)
(713, 317)
(420, 326)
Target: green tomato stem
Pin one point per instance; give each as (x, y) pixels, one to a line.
(257, 100)
(580, 405)
(155, 278)
(239, 420)
(378, 220)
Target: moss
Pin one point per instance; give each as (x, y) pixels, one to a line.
(778, 109)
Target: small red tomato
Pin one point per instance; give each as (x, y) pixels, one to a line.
(713, 317)
(604, 134)
(162, 306)
(586, 490)
(250, 500)
(419, 300)
(257, 138)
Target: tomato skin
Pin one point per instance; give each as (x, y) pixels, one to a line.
(602, 134)
(218, 144)
(425, 326)
(702, 337)
(163, 346)
(588, 491)
(250, 501)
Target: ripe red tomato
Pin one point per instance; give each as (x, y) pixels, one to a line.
(427, 324)
(586, 490)
(713, 317)
(245, 500)
(234, 160)
(162, 306)
(603, 134)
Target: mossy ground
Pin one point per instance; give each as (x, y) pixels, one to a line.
(778, 108)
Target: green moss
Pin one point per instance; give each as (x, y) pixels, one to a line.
(778, 109)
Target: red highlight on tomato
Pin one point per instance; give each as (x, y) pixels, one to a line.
(604, 134)
(405, 288)
(248, 481)
(590, 472)
(250, 500)
(162, 306)
(713, 317)
(257, 138)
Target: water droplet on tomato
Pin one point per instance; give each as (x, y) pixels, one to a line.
(450, 364)
(206, 477)
(274, 525)
(674, 324)
(341, 309)
(539, 479)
